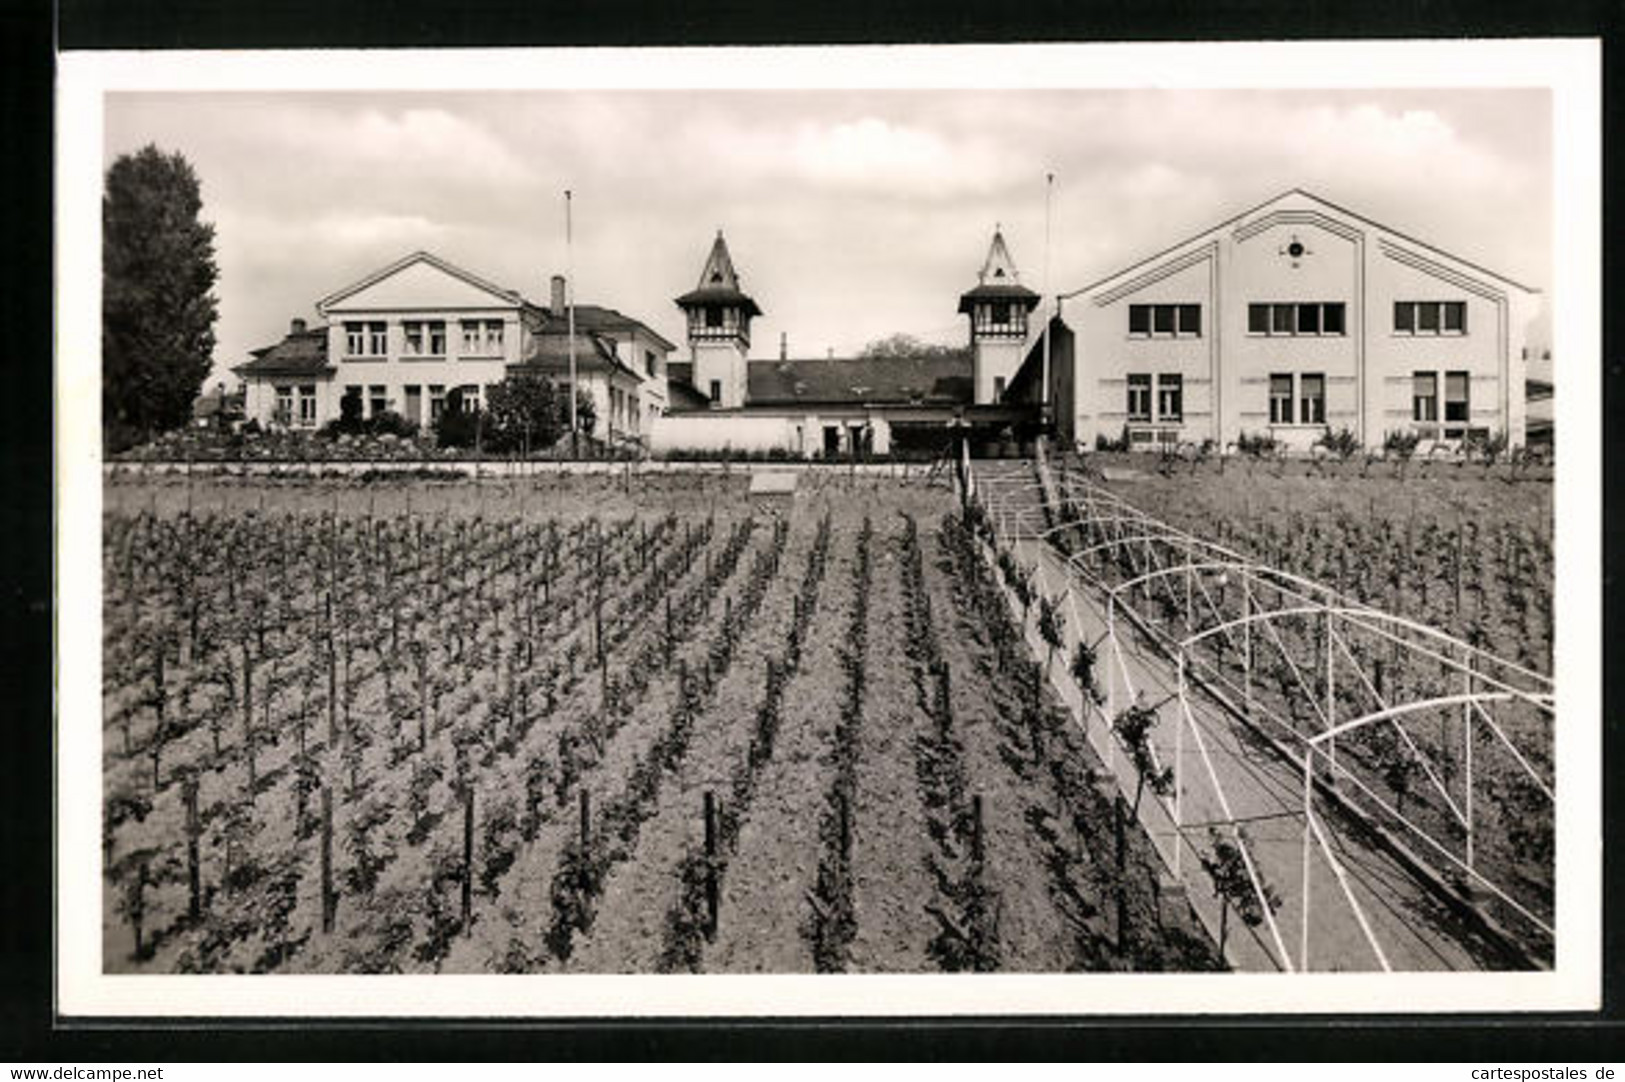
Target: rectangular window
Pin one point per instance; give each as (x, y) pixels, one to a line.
(1424, 396)
(716, 391)
(1170, 398)
(414, 403)
(1312, 399)
(307, 405)
(437, 401)
(355, 339)
(1455, 397)
(378, 339)
(377, 400)
(284, 405)
(1309, 318)
(437, 338)
(1430, 317)
(1139, 396)
(713, 317)
(1184, 320)
(649, 361)
(1280, 399)
(412, 336)
(1000, 313)
(473, 340)
(1190, 319)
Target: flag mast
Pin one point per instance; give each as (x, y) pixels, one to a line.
(1043, 393)
(570, 311)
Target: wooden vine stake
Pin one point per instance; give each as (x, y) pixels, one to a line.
(327, 861)
(194, 906)
(978, 848)
(1120, 837)
(710, 865)
(468, 857)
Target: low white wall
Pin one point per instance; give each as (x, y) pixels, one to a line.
(711, 432)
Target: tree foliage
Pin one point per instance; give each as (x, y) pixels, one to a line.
(906, 347)
(525, 413)
(158, 309)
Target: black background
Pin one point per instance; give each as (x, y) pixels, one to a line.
(29, 35)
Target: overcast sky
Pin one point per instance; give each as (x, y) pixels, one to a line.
(850, 215)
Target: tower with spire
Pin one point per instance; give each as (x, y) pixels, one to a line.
(998, 308)
(719, 314)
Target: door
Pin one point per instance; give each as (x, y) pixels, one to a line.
(832, 441)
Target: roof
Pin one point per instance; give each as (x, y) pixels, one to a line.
(719, 282)
(550, 349)
(860, 379)
(682, 395)
(300, 353)
(1014, 293)
(1024, 385)
(1313, 198)
(593, 317)
(218, 401)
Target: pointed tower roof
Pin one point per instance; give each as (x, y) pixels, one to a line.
(998, 279)
(719, 282)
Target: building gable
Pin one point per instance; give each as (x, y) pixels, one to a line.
(417, 283)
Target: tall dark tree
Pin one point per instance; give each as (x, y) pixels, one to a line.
(526, 412)
(158, 308)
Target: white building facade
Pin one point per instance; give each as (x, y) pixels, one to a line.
(421, 334)
(1290, 321)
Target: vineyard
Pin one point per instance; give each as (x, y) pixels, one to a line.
(598, 725)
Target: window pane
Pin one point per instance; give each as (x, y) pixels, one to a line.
(1455, 316)
(1139, 319)
(1312, 391)
(1308, 319)
(1331, 319)
(1190, 319)
(1163, 315)
(1280, 385)
(1424, 392)
(1427, 317)
(1404, 316)
(1258, 319)
(1281, 321)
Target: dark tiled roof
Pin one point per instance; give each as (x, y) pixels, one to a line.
(550, 350)
(719, 295)
(934, 380)
(300, 354)
(682, 396)
(998, 293)
(592, 317)
(680, 372)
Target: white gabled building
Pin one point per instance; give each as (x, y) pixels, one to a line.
(1295, 318)
(421, 332)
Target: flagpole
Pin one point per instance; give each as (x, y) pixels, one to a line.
(570, 312)
(1044, 403)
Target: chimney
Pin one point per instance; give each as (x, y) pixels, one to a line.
(784, 346)
(556, 304)
(296, 326)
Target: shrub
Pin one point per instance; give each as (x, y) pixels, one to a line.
(390, 423)
(457, 427)
(1342, 443)
(1401, 444)
(1255, 446)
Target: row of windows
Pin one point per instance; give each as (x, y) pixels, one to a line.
(1300, 398)
(1178, 320)
(423, 338)
(307, 405)
(1296, 318)
(1170, 397)
(1310, 399)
